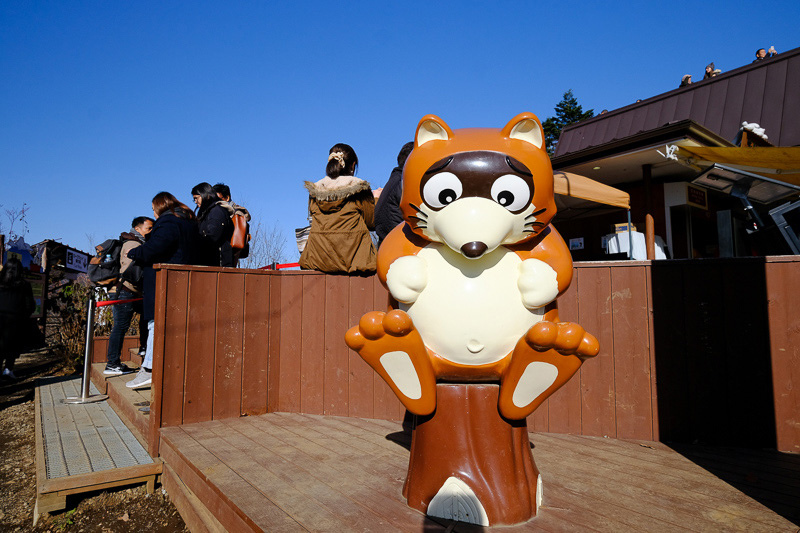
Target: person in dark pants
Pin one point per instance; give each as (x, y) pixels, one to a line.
(174, 239)
(128, 287)
(387, 210)
(16, 306)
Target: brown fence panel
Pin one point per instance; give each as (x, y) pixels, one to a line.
(200, 345)
(336, 389)
(783, 280)
(652, 360)
(228, 346)
(744, 358)
(598, 413)
(689, 349)
(361, 380)
(564, 410)
(274, 362)
(630, 304)
(712, 346)
(291, 311)
(175, 315)
(312, 384)
(255, 347)
(670, 346)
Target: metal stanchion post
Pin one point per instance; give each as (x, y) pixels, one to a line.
(87, 363)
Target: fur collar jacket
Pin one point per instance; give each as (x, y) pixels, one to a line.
(341, 212)
(336, 189)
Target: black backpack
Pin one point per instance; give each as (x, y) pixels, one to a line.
(104, 267)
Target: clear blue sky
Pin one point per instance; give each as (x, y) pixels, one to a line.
(104, 104)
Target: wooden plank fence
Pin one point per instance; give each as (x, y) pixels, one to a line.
(688, 350)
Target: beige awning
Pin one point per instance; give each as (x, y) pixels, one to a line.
(576, 186)
(780, 163)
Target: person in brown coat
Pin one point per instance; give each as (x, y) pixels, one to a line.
(342, 208)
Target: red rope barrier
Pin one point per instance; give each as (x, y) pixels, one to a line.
(115, 302)
(278, 267)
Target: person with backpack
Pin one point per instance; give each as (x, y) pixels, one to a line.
(215, 225)
(128, 286)
(240, 240)
(174, 239)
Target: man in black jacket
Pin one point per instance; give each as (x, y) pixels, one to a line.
(387, 210)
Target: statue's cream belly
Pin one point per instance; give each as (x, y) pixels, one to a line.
(471, 311)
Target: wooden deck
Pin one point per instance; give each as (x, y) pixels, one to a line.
(292, 472)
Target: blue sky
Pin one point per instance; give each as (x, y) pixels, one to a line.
(104, 104)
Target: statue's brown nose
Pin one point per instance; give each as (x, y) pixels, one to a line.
(473, 249)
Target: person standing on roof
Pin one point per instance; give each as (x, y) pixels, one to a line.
(711, 71)
(127, 287)
(765, 54)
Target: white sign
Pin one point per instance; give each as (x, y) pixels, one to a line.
(576, 244)
(77, 261)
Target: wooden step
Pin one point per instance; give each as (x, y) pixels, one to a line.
(196, 515)
(123, 400)
(173, 449)
(134, 357)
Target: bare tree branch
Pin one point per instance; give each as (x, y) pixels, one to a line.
(267, 246)
(16, 216)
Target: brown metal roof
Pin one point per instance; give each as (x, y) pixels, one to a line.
(766, 92)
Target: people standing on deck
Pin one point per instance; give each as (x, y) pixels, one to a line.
(174, 239)
(16, 306)
(215, 225)
(127, 287)
(342, 208)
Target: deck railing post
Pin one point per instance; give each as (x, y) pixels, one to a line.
(86, 397)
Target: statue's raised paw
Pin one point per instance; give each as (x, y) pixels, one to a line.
(546, 358)
(567, 338)
(392, 346)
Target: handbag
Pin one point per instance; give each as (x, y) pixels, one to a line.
(241, 235)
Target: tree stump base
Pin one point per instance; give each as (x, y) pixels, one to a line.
(468, 463)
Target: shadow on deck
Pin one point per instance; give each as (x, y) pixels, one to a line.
(292, 472)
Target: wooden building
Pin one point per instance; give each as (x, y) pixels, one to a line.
(621, 148)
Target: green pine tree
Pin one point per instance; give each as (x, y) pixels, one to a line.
(568, 111)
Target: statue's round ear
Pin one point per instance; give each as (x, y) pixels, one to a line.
(432, 128)
(525, 127)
